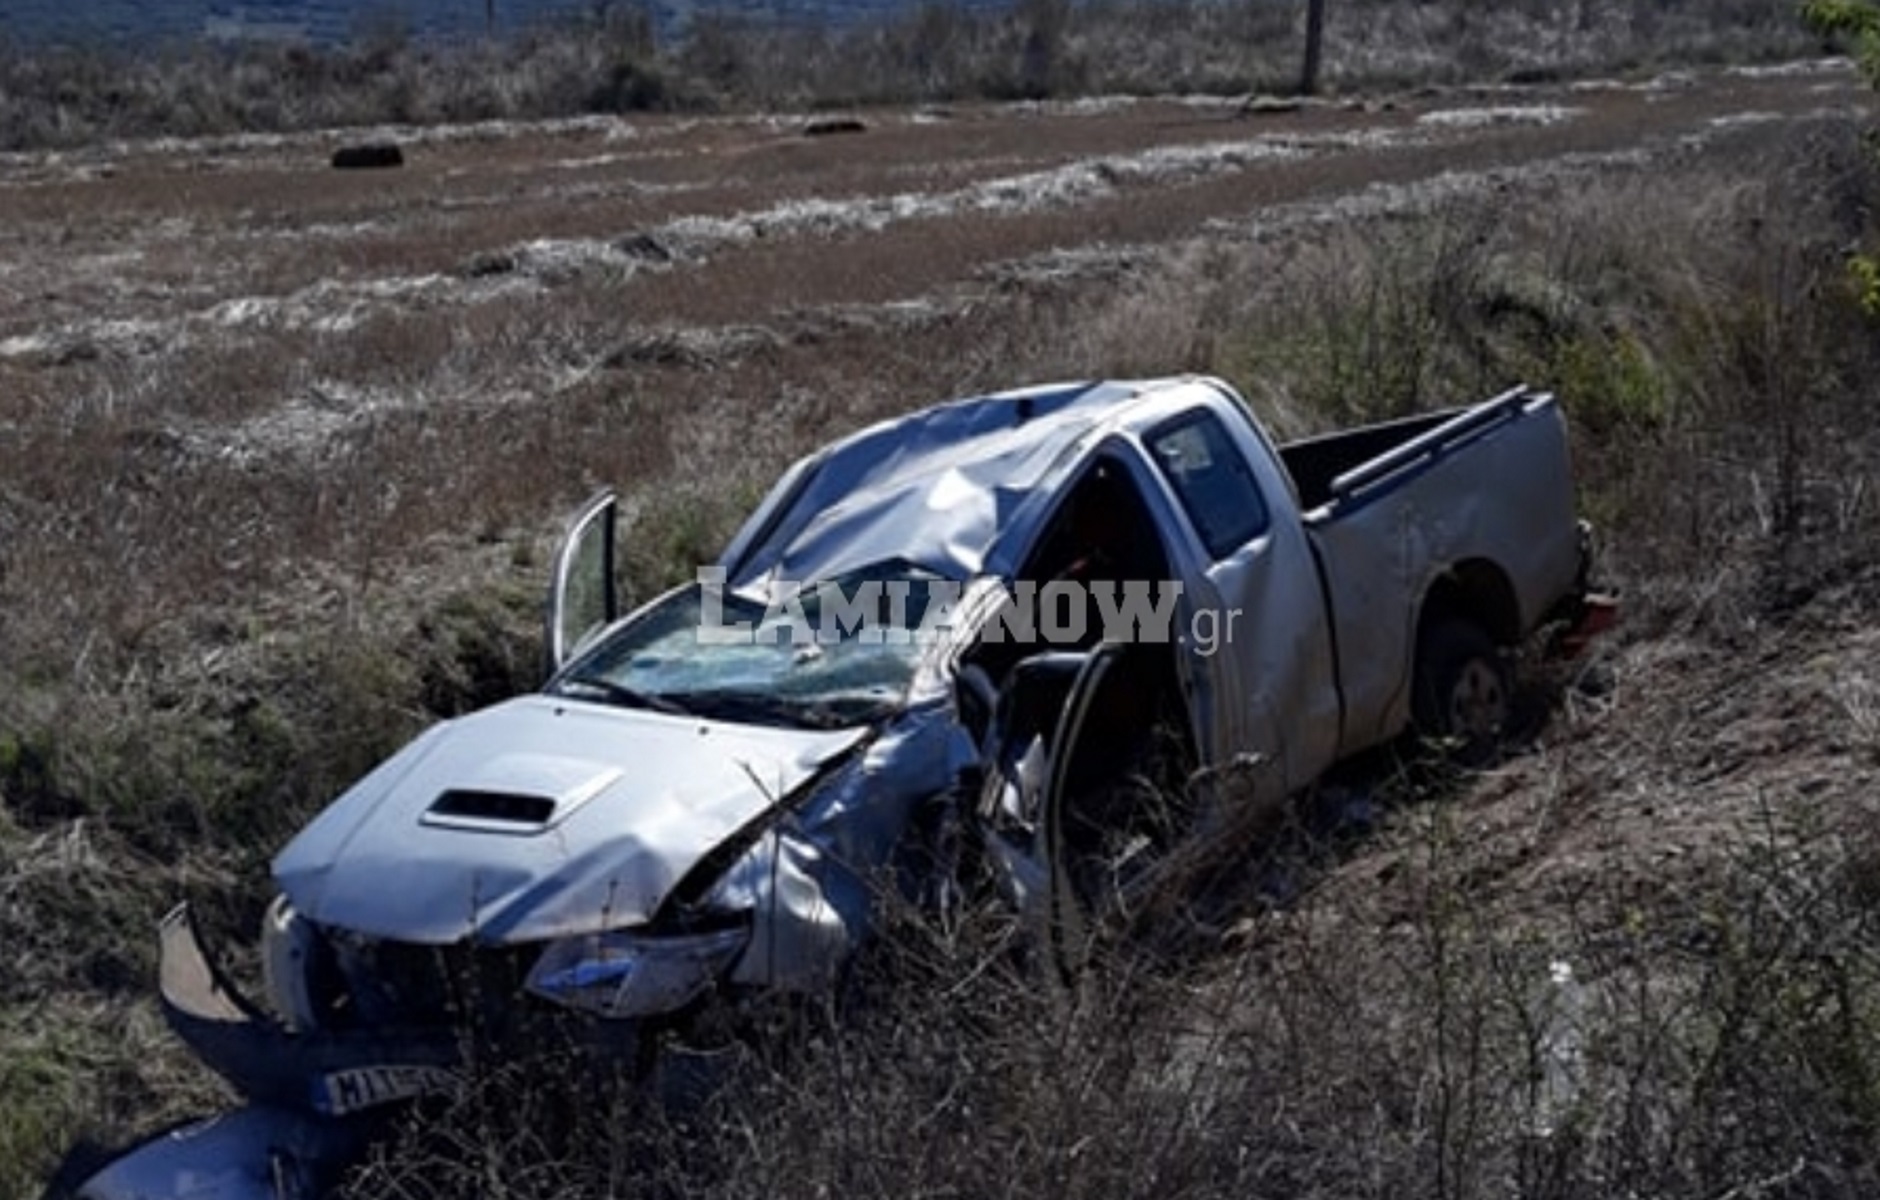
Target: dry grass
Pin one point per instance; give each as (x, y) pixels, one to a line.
(938, 52)
(1387, 1019)
(238, 565)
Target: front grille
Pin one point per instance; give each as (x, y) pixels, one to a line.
(390, 984)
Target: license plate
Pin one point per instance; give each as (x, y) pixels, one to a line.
(349, 1091)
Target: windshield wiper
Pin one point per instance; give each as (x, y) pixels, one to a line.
(621, 694)
(732, 704)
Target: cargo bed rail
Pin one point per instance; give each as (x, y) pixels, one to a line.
(1428, 447)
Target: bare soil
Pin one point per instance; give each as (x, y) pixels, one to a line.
(265, 333)
(761, 221)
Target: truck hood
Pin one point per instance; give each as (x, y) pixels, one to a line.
(540, 817)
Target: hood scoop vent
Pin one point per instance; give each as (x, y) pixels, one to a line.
(506, 808)
(519, 794)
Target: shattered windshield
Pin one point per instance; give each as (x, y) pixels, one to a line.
(838, 653)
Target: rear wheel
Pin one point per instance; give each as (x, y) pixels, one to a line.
(1463, 695)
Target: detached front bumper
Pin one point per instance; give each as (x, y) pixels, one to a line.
(316, 1098)
(311, 1093)
(258, 1153)
(326, 1074)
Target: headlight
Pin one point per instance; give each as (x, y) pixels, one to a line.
(628, 973)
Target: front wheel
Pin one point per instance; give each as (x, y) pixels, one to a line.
(1463, 692)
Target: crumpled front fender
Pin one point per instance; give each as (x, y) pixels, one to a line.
(323, 1073)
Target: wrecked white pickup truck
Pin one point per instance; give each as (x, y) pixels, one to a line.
(999, 632)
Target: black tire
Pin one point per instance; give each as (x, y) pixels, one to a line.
(1462, 697)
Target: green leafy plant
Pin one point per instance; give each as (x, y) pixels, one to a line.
(1855, 19)
(1859, 22)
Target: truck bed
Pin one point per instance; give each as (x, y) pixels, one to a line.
(1315, 462)
(1391, 509)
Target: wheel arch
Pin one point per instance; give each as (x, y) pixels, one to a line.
(1476, 590)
